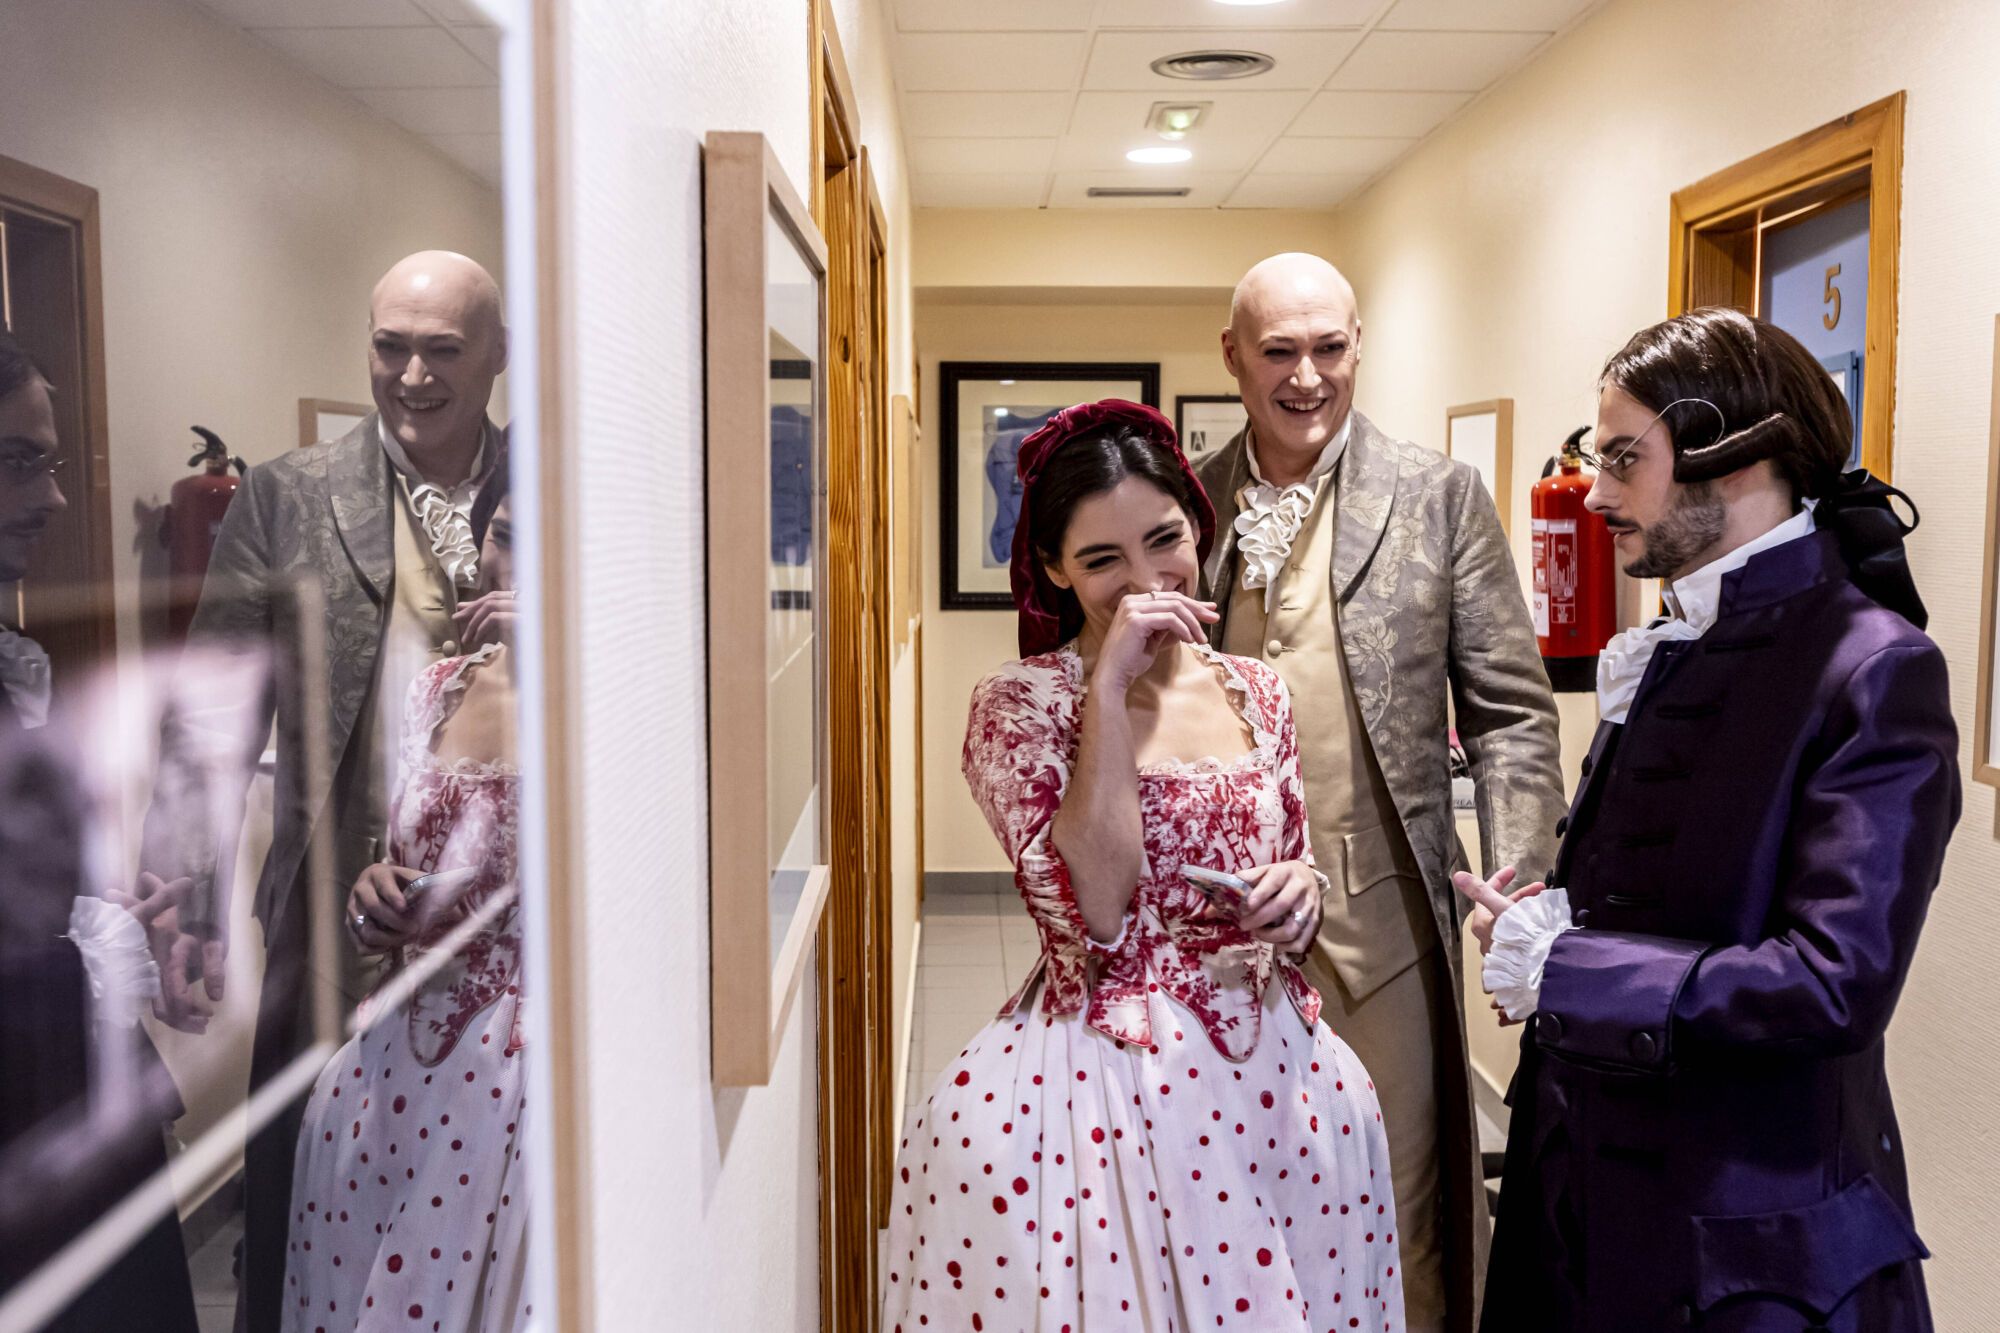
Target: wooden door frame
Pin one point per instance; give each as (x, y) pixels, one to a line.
(1711, 248)
(61, 199)
(851, 947)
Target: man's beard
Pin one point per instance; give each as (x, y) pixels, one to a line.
(1694, 524)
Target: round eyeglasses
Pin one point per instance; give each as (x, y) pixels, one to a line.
(1614, 460)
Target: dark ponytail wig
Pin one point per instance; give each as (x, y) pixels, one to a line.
(1776, 400)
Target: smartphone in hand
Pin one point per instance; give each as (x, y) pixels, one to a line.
(447, 880)
(1226, 892)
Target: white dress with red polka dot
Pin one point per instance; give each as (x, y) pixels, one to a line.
(1170, 1140)
(409, 1203)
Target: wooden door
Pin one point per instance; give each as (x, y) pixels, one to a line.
(50, 300)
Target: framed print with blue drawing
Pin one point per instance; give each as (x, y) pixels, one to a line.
(986, 408)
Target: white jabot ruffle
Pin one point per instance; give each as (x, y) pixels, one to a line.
(1269, 518)
(124, 978)
(445, 513)
(24, 677)
(1522, 938)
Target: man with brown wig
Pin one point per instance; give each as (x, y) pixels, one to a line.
(1702, 1131)
(1374, 577)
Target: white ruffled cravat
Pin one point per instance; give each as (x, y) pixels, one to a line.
(1269, 518)
(445, 514)
(1525, 932)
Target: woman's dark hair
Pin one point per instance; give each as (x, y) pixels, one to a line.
(1091, 464)
(487, 503)
(1776, 400)
(16, 366)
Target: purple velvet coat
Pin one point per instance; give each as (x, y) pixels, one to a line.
(1702, 1132)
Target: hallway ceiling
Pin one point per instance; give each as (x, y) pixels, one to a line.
(431, 66)
(1031, 103)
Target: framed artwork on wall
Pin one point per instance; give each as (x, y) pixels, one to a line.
(1985, 743)
(328, 419)
(1482, 434)
(1206, 422)
(766, 517)
(985, 410)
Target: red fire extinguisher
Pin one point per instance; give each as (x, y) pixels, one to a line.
(194, 515)
(1575, 594)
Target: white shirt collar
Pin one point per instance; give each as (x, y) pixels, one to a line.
(1321, 466)
(1696, 597)
(462, 494)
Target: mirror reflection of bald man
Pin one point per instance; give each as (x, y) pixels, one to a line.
(379, 521)
(1374, 576)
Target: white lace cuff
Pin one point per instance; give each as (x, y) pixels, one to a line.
(1522, 937)
(124, 979)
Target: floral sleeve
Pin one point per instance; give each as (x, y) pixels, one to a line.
(1020, 744)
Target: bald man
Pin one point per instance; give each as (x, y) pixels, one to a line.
(376, 526)
(1374, 577)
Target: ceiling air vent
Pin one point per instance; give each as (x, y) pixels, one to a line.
(1211, 65)
(1137, 192)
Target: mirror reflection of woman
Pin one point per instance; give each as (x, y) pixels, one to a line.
(409, 1201)
(1157, 1132)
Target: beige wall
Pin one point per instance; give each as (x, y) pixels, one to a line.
(962, 646)
(1512, 254)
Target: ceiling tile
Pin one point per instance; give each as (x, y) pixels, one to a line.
(1262, 190)
(478, 153)
(1206, 189)
(981, 156)
(318, 13)
(1208, 14)
(438, 110)
(381, 57)
(1456, 62)
(1484, 15)
(1234, 114)
(1120, 60)
(482, 42)
(992, 15)
(457, 11)
(984, 115)
(989, 61)
(1332, 156)
(980, 191)
(1396, 115)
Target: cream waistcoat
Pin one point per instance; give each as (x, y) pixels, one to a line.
(1378, 918)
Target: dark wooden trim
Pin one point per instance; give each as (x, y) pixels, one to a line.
(950, 375)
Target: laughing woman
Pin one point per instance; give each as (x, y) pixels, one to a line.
(1171, 1119)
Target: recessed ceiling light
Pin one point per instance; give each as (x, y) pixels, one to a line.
(1211, 65)
(1249, 4)
(1158, 157)
(1172, 120)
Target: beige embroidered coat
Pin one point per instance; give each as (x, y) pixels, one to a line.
(1430, 610)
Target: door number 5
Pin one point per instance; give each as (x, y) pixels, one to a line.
(1831, 319)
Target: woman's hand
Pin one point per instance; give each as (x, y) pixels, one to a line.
(1283, 908)
(378, 915)
(1143, 625)
(490, 618)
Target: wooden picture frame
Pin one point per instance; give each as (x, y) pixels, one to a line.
(907, 587)
(1215, 420)
(1482, 434)
(313, 426)
(1715, 247)
(1985, 763)
(764, 910)
(976, 578)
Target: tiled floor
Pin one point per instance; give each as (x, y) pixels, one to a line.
(212, 1267)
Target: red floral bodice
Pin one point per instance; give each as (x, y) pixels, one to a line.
(448, 816)
(1020, 748)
